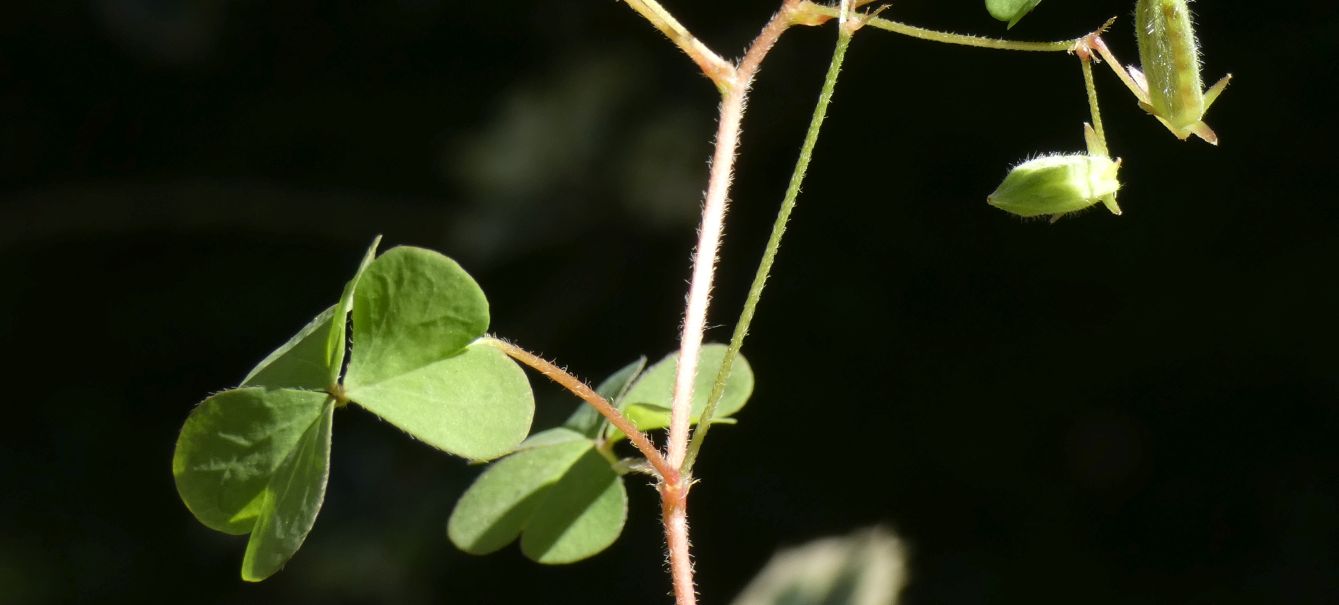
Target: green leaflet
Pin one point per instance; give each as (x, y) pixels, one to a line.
(415, 313)
(254, 460)
(335, 343)
(301, 363)
(649, 397)
(413, 307)
(313, 358)
(562, 499)
(476, 404)
(1010, 11)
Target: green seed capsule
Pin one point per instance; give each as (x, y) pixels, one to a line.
(1058, 184)
(1170, 62)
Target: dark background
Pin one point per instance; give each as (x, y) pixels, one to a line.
(1134, 409)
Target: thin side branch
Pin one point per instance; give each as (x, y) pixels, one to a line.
(773, 242)
(1100, 45)
(721, 72)
(587, 394)
(951, 38)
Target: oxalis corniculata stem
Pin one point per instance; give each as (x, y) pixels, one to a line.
(958, 39)
(811, 13)
(734, 82)
(734, 87)
(845, 32)
(573, 384)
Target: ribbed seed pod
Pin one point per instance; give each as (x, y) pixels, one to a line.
(1170, 60)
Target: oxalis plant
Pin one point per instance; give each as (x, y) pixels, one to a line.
(408, 339)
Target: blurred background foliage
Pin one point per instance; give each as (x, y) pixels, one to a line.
(1106, 410)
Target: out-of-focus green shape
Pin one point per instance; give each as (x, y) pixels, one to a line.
(866, 568)
(650, 396)
(1010, 11)
(589, 422)
(255, 460)
(476, 404)
(562, 499)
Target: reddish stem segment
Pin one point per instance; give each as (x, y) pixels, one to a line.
(674, 516)
(674, 492)
(587, 394)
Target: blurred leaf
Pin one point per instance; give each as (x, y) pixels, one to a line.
(651, 394)
(300, 363)
(255, 460)
(866, 568)
(589, 422)
(1010, 11)
(476, 404)
(563, 500)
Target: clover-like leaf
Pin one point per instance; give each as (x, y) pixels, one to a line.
(585, 419)
(1010, 11)
(563, 500)
(255, 460)
(649, 398)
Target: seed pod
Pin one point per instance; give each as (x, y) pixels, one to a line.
(1058, 184)
(1170, 61)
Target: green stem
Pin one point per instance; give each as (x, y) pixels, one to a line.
(1087, 64)
(770, 252)
(946, 37)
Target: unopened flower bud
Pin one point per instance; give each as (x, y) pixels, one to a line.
(1053, 185)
